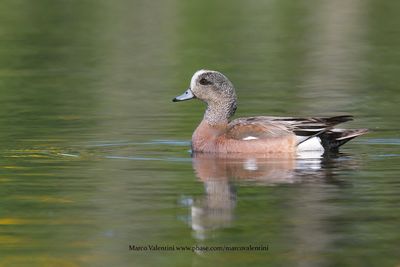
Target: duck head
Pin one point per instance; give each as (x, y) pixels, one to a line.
(215, 89)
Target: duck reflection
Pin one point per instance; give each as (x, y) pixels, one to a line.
(220, 172)
(211, 167)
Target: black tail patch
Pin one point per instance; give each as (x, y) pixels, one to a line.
(331, 140)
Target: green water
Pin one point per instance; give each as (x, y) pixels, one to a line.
(94, 156)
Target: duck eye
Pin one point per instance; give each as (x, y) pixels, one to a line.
(204, 81)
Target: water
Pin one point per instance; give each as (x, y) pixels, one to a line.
(95, 156)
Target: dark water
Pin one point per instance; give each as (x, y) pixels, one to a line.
(94, 156)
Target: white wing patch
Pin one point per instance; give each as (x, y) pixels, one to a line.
(247, 138)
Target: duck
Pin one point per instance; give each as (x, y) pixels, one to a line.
(218, 133)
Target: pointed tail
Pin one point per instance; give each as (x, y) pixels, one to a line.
(333, 139)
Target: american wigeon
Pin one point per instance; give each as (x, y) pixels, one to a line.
(261, 134)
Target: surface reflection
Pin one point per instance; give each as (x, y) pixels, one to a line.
(221, 174)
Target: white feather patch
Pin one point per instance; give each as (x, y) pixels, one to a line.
(247, 138)
(195, 77)
(312, 144)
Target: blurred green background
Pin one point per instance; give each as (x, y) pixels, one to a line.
(94, 155)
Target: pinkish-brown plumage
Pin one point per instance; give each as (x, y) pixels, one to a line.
(262, 134)
(222, 139)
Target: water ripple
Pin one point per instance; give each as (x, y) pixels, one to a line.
(381, 141)
(150, 159)
(128, 143)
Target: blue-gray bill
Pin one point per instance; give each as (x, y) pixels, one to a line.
(187, 95)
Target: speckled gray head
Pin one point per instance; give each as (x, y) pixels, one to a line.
(216, 90)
